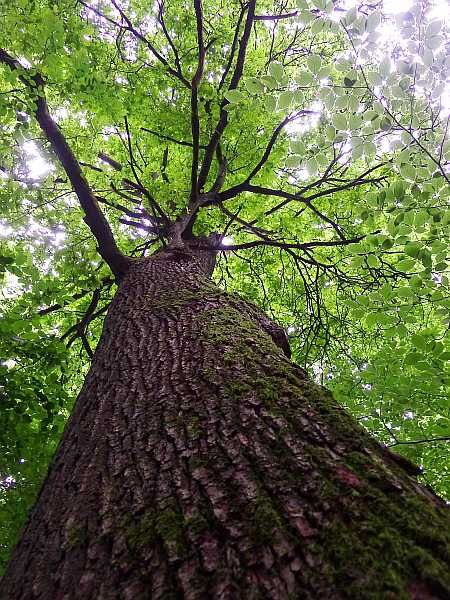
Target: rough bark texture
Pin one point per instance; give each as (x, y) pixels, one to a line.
(199, 462)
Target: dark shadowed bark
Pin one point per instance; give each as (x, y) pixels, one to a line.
(199, 462)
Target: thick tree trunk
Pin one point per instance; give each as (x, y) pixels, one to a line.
(199, 462)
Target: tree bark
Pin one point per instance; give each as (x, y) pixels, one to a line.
(199, 462)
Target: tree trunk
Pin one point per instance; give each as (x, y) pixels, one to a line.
(199, 462)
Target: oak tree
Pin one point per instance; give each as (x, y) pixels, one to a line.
(190, 192)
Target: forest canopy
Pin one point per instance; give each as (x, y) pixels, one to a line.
(311, 137)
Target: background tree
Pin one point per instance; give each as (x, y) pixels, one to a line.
(306, 143)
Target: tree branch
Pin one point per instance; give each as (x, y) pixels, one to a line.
(424, 441)
(139, 225)
(291, 245)
(273, 139)
(129, 27)
(233, 47)
(94, 217)
(110, 161)
(106, 282)
(130, 213)
(139, 187)
(195, 122)
(223, 118)
(171, 139)
(168, 38)
(276, 17)
(82, 325)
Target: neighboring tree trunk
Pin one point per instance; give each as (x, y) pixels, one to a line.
(199, 462)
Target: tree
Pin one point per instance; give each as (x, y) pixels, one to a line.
(204, 159)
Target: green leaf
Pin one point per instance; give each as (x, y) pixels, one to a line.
(298, 147)
(405, 292)
(293, 161)
(356, 248)
(441, 266)
(350, 16)
(419, 341)
(314, 63)
(270, 102)
(408, 171)
(311, 166)
(318, 25)
(369, 149)
(285, 100)
(269, 82)
(434, 42)
(433, 28)
(425, 257)
(254, 85)
(385, 67)
(339, 121)
(413, 249)
(372, 260)
(405, 265)
(421, 218)
(234, 96)
(20, 258)
(304, 78)
(276, 70)
(413, 358)
(401, 331)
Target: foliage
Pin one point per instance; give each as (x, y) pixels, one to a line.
(329, 184)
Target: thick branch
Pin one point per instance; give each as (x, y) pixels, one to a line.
(233, 46)
(195, 121)
(223, 118)
(94, 217)
(110, 161)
